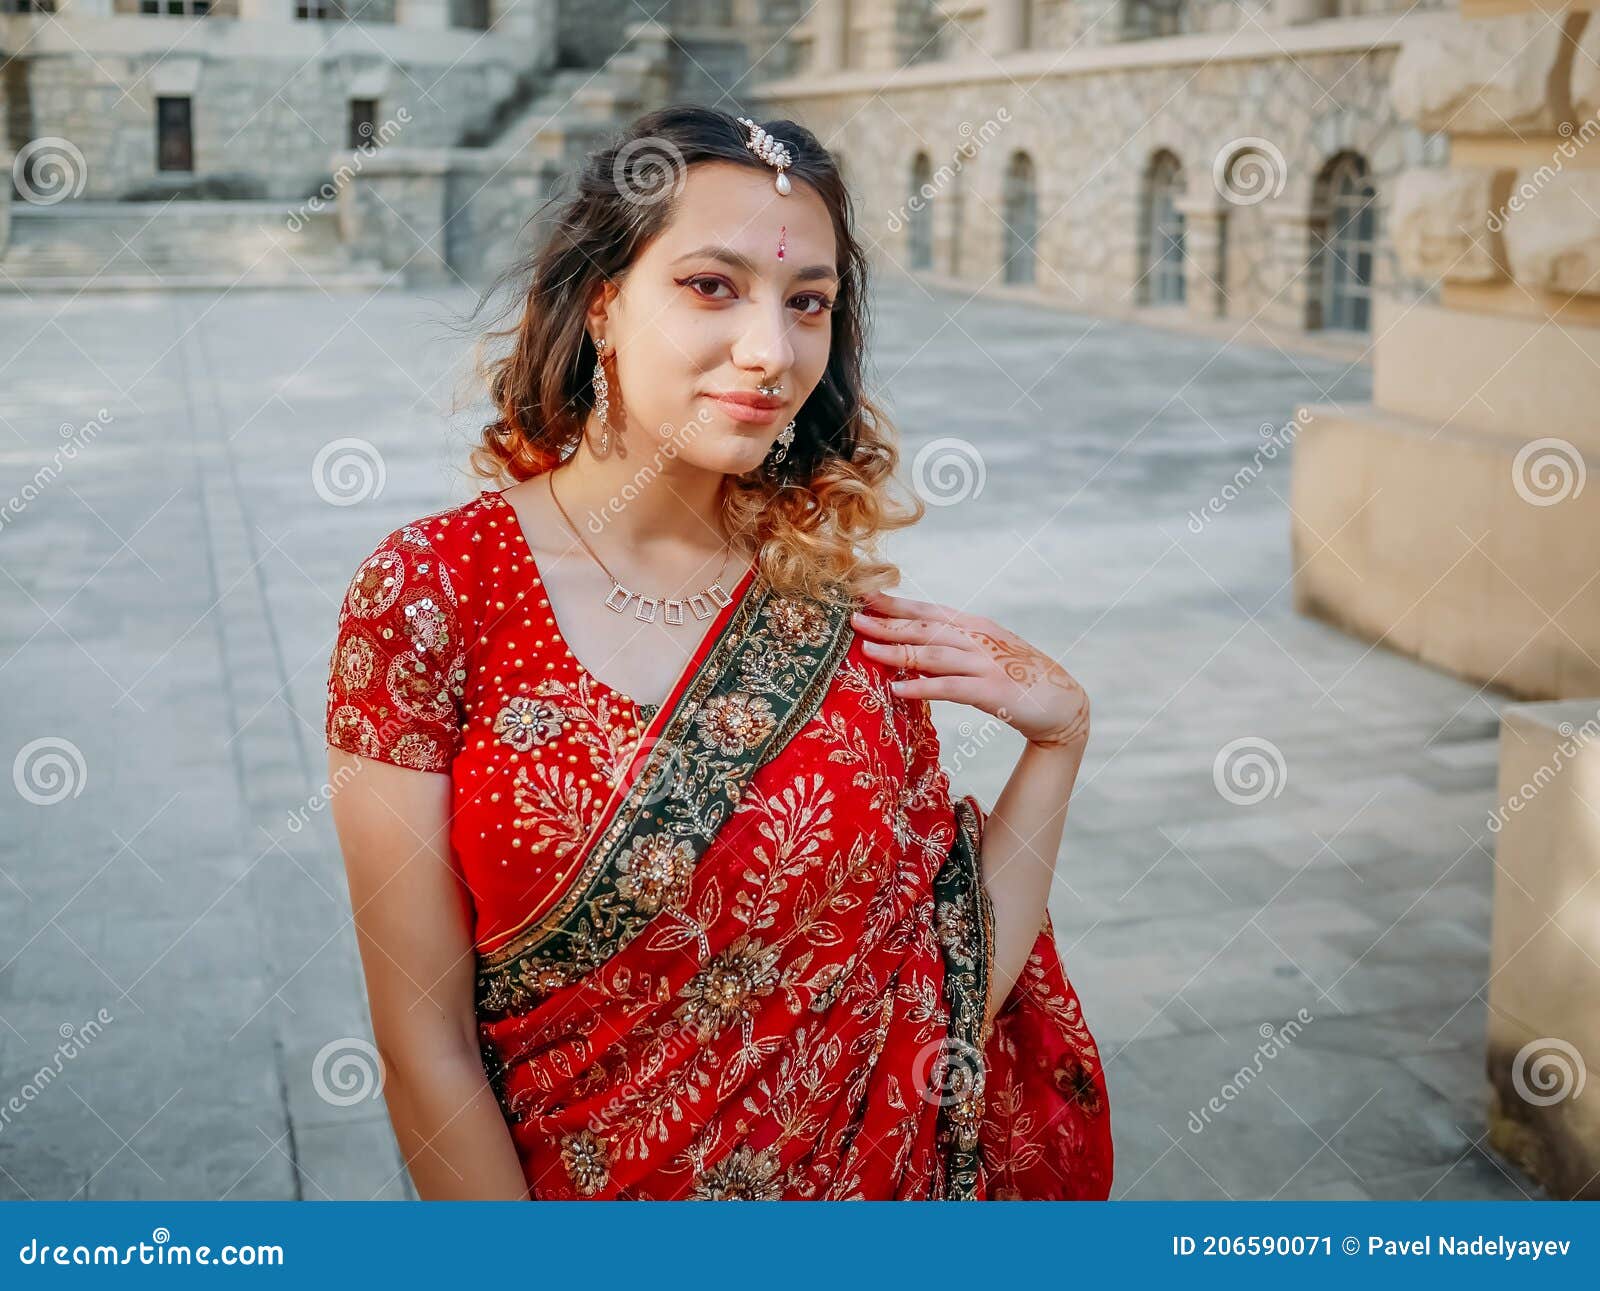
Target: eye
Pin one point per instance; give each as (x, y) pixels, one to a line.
(822, 302)
(693, 283)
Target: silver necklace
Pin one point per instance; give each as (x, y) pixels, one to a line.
(703, 605)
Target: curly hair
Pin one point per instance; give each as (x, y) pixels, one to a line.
(812, 522)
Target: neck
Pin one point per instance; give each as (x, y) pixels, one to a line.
(644, 499)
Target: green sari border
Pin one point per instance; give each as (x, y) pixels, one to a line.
(763, 679)
(964, 928)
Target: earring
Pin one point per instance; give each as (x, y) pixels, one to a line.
(785, 438)
(602, 393)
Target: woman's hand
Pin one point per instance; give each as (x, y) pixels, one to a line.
(973, 660)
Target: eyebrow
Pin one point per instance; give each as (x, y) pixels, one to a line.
(811, 273)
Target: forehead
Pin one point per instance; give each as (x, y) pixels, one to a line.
(739, 207)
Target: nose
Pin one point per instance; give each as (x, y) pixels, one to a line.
(763, 343)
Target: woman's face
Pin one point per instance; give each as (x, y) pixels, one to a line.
(709, 309)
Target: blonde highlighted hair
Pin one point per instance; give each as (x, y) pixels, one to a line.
(812, 522)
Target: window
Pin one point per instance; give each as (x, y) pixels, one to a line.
(174, 135)
(1143, 19)
(1343, 234)
(176, 8)
(1019, 209)
(319, 10)
(1161, 233)
(919, 211)
(363, 123)
(471, 14)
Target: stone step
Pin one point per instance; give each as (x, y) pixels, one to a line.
(121, 245)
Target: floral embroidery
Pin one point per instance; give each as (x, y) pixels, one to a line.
(745, 1174)
(798, 622)
(588, 1161)
(953, 927)
(654, 872)
(1076, 1081)
(524, 723)
(726, 989)
(733, 723)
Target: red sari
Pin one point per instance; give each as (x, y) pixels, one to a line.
(734, 948)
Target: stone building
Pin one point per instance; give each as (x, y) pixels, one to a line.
(1202, 160)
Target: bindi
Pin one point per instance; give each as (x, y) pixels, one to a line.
(781, 235)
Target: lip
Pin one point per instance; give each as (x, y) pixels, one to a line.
(746, 407)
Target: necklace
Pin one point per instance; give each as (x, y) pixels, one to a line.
(703, 605)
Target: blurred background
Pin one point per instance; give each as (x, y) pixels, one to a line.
(1247, 354)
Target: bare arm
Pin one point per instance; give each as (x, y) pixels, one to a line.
(412, 917)
(1021, 838)
(973, 660)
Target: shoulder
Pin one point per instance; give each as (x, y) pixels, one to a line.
(435, 557)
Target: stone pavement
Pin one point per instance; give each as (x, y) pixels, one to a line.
(1276, 826)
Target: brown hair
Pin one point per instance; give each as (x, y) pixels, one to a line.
(813, 521)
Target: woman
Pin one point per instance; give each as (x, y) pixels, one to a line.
(659, 886)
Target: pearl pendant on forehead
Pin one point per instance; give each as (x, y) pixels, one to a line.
(770, 151)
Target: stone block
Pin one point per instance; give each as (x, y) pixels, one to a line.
(1439, 221)
(1544, 990)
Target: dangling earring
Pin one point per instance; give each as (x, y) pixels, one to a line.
(785, 438)
(602, 393)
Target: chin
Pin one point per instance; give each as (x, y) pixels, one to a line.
(728, 454)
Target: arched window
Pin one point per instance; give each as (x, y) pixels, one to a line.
(919, 213)
(1019, 208)
(1161, 233)
(1343, 234)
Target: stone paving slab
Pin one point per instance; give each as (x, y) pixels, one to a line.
(168, 602)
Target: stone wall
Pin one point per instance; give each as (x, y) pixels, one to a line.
(1091, 132)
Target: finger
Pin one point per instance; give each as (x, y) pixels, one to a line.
(905, 607)
(944, 660)
(963, 690)
(921, 630)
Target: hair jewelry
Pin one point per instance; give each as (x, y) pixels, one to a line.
(770, 151)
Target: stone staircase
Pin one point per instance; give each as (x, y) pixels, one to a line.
(176, 245)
